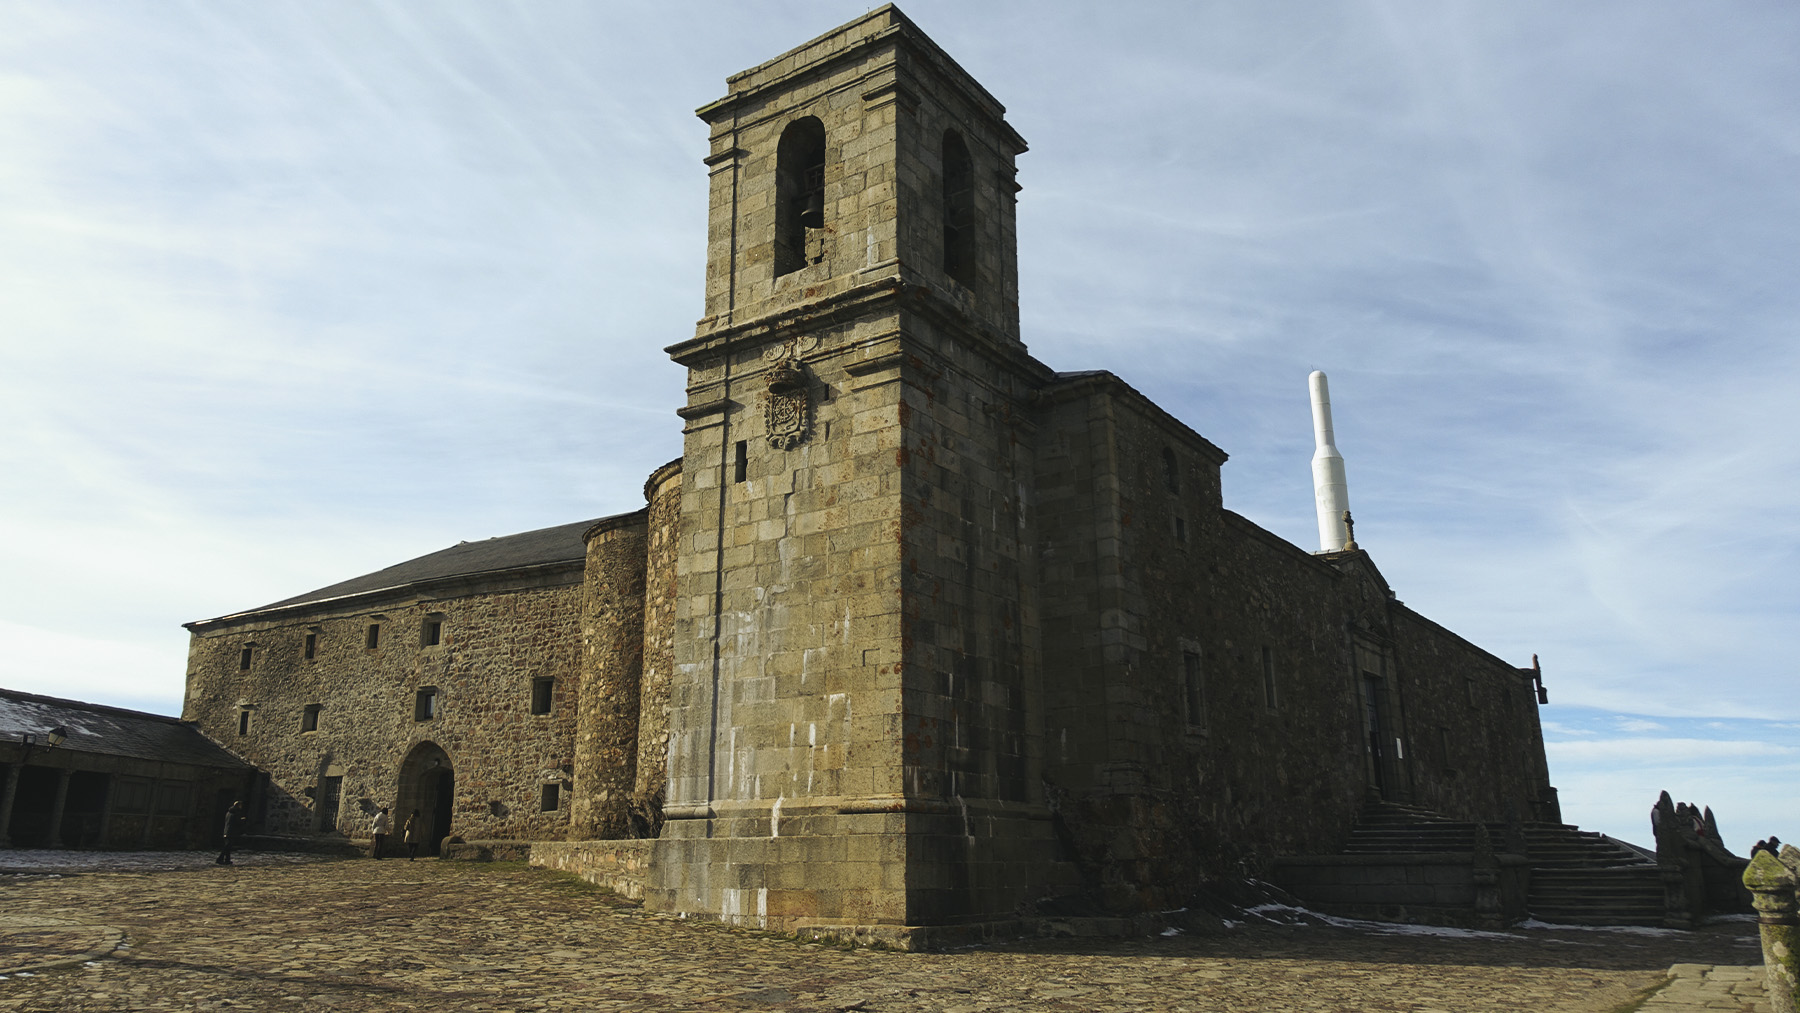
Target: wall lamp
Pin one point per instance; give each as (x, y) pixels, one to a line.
(54, 737)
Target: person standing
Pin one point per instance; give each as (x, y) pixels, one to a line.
(233, 829)
(411, 835)
(380, 828)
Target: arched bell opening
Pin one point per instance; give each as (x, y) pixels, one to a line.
(427, 786)
(959, 210)
(799, 195)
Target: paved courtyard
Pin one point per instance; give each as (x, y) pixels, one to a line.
(173, 932)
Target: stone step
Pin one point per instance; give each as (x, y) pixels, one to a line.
(1591, 916)
(1596, 896)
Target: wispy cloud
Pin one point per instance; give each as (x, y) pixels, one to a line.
(1661, 751)
(293, 291)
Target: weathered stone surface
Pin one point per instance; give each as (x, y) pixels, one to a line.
(497, 635)
(358, 936)
(1771, 883)
(612, 636)
(918, 634)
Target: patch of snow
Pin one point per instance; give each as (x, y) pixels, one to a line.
(1288, 914)
(1635, 930)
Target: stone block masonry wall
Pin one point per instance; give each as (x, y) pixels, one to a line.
(1283, 763)
(885, 94)
(785, 700)
(621, 866)
(1160, 746)
(847, 96)
(494, 642)
(1477, 744)
(612, 636)
(788, 799)
(979, 833)
(1205, 679)
(1434, 889)
(938, 101)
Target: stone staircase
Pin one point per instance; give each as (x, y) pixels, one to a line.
(1577, 878)
(1581, 878)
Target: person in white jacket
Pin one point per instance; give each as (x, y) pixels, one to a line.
(381, 827)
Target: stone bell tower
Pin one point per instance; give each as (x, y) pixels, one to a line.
(856, 719)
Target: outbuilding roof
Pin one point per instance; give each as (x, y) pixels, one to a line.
(97, 728)
(542, 547)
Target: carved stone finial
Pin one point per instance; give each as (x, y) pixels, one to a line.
(1349, 531)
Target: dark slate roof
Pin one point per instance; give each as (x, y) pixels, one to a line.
(96, 728)
(560, 544)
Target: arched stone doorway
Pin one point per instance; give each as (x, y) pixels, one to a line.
(428, 785)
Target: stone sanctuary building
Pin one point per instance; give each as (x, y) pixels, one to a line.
(918, 636)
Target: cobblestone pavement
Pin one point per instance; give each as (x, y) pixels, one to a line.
(362, 935)
(1702, 988)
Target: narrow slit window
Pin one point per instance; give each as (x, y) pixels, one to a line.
(310, 649)
(1268, 674)
(244, 659)
(1171, 471)
(243, 721)
(372, 639)
(740, 468)
(1180, 529)
(1194, 682)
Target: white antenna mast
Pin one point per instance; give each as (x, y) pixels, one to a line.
(1331, 493)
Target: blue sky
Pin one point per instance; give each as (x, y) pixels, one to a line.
(293, 291)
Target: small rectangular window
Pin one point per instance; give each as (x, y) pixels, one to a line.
(741, 470)
(1268, 674)
(1195, 681)
(309, 718)
(373, 640)
(431, 633)
(311, 648)
(244, 659)
(243, 721)
(550, 798)
(1180, 529)
(543, 691)
(425, 704)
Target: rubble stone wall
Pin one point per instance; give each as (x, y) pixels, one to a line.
(663, 535)
(495, 641)
(612, 636)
